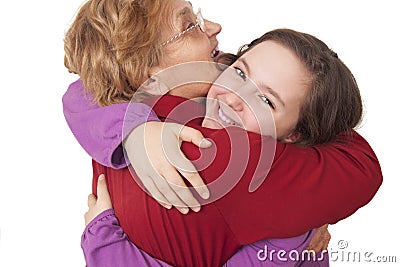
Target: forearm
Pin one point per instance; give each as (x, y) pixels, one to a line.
(322, 184)
(337, 178)
(100, 130)
(304, 188)
(105, 244)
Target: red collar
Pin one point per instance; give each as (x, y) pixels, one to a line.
(177, 109)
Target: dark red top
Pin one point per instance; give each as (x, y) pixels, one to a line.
(305, 188)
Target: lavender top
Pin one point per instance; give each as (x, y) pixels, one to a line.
(99, 129)
(105, 244)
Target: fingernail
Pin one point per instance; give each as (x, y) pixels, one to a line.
(184, 210)
(196, 209)
(101, 177)
(168, 206)
(205, 143)
(205, 194)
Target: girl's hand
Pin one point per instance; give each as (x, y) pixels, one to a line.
(99, 204)
(153, 148)
(320, 240)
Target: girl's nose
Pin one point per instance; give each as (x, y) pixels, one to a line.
(233, 101)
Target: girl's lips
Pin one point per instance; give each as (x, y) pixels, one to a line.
(224, 118)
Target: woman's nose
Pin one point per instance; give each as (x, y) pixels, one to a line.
(212, 28)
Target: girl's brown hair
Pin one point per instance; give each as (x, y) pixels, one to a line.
(334, 104)
(112, 44)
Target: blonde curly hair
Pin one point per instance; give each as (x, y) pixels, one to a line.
(112, 44)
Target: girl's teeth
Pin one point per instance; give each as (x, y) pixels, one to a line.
(223, 117)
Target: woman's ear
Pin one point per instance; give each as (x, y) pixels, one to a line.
(153, 70)
(155, 85)
(292, 137)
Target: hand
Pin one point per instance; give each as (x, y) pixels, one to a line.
(320, 240)
(99, 204)
(153, 148)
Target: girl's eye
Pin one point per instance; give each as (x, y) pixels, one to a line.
(241, 74)
(266, 100)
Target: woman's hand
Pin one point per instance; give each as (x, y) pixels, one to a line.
(153, 149)
(320, 240)
(99, 204)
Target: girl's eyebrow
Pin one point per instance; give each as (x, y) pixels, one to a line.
(263, 86)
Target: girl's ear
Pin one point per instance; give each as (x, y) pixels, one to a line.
(292, 137)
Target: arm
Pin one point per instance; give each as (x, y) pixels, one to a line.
(105, 244)
(305, 188)
(103, 241)
(154, 151)
(99, 129)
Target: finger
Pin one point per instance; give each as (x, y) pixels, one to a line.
(165, 205)
(184, 166)
(325, 246)
(197, 182)
(318, 236)
(154, 192)
(91, 200)
(146, 177)
(164, 187)
(315, 240)
(102, 191)
(318, 247)
(178, 185)
(321, 241)
(87, 218)
(194, 136)
(326, 241)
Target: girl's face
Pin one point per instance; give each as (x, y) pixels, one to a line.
(193, 45)
(262, 92)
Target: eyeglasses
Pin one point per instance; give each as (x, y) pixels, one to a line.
(199, 23)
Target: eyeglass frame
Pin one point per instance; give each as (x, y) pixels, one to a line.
(199, 22)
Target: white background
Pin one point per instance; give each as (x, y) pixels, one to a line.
(46, 176)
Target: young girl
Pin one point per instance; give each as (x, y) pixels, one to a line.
(295, 76)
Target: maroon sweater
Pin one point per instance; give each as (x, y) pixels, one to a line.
(304, 189)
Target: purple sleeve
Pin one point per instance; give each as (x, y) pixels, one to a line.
(105, 244)
(278, 252)
(99, 129)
